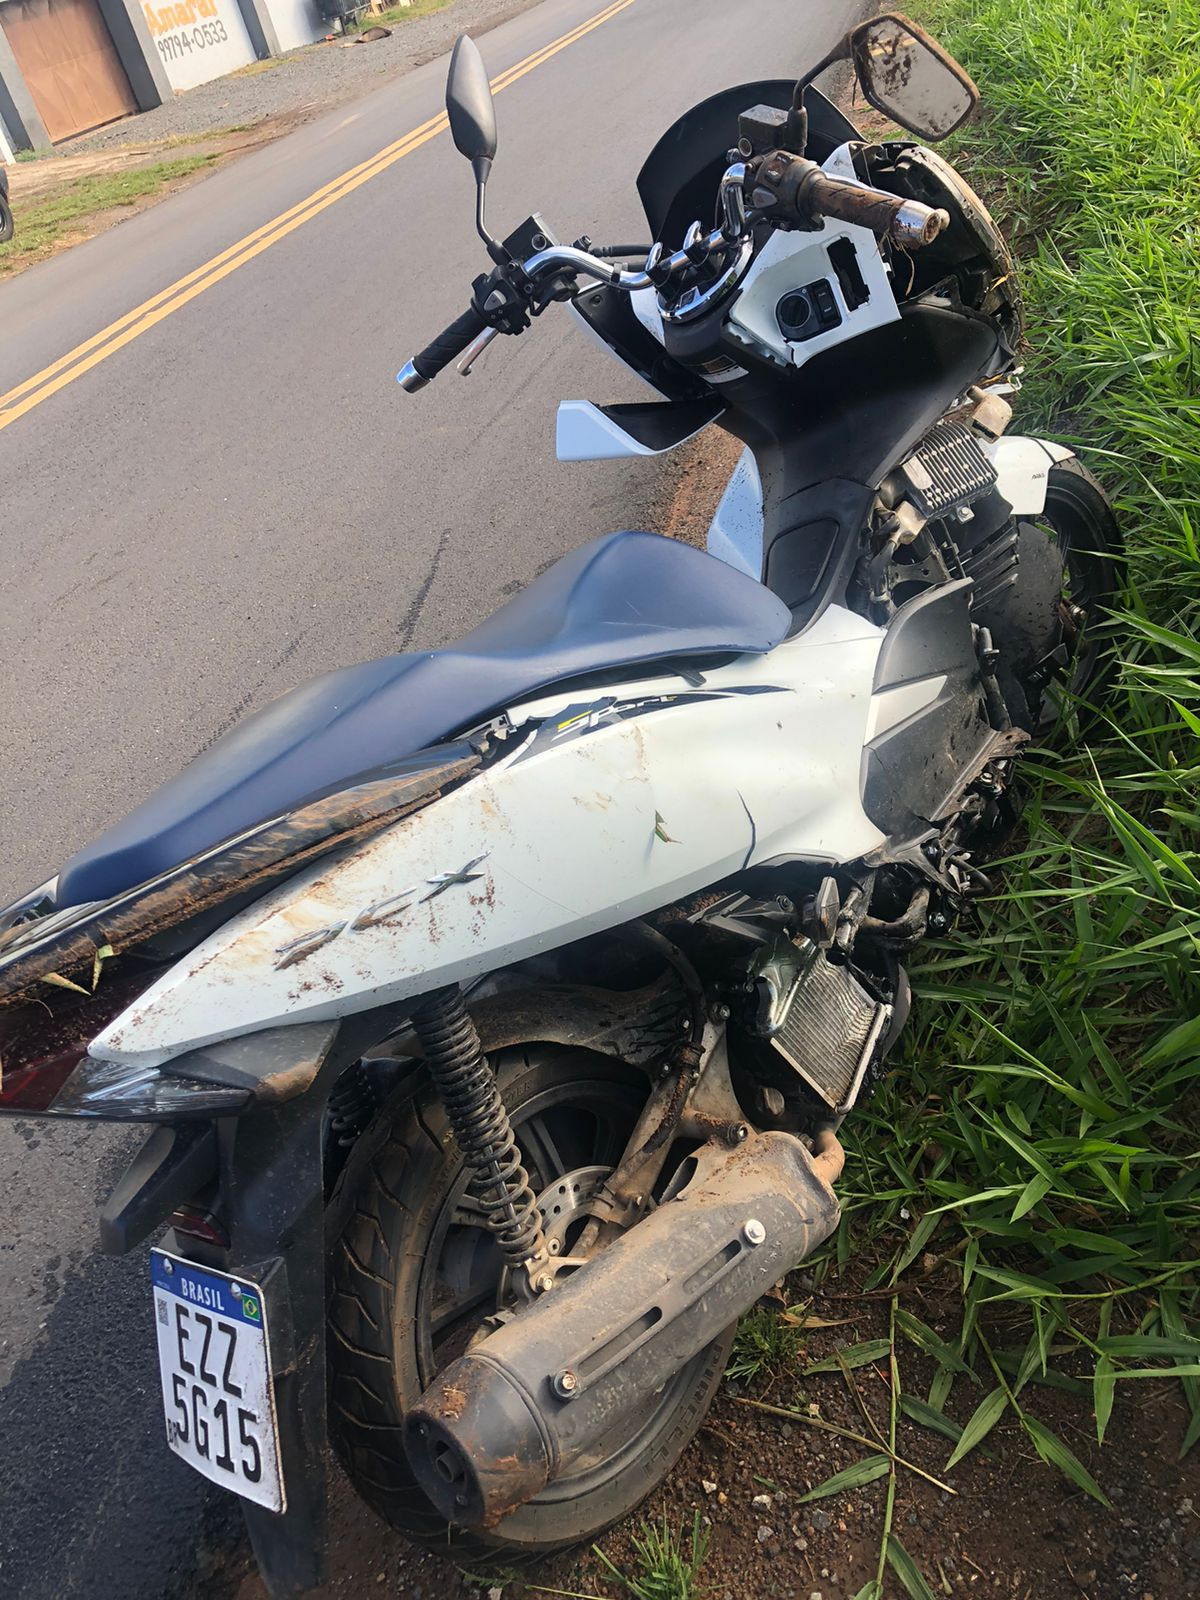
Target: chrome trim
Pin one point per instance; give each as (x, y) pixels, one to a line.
(695, 302)
(733, 200)
(916, 224)
(410, 379)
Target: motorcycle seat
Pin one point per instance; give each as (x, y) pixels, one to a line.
(620, 600)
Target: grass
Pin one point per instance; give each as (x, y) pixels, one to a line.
(395, 14)
(1040, 1137)
(253, 68)
(666, 1569)
(1042, 1132)
(42, 225)
(766, 1344)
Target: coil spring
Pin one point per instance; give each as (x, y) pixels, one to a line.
(499, 1182)
(351, 1106)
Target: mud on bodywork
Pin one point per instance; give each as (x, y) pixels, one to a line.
(66, 947)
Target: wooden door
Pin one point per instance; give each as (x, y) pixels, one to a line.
(70, 63)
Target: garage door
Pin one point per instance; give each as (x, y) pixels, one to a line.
(69, 62)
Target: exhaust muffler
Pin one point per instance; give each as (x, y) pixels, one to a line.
(519, 1407)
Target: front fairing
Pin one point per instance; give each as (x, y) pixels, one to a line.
(679, 178)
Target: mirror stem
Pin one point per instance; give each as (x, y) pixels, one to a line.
(482, 166)
(797, 125)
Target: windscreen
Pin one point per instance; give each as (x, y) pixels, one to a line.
(679, 179)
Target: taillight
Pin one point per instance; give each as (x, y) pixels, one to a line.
(45, 1069)
(34, 1085)
(196, 1223)
(125, 1092)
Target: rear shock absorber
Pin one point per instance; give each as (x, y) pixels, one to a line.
(484, 1134)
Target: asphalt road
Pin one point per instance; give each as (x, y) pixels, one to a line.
(234, 497)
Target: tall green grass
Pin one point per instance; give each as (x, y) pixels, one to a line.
(1043, 1133)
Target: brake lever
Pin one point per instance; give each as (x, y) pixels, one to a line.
(475, 349)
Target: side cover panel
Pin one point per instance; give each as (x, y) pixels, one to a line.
(616, 802)
(927, 678)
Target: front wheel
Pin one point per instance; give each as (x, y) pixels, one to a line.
(1093, 552)
(1070, 564)
(6, 221)
(416, 1273)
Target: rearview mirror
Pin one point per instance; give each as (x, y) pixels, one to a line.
(469, 107)
(910, 78)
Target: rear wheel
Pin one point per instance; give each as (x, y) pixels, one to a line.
(6, 221)
(415, 1274)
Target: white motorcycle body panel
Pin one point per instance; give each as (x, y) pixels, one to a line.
(1023, 469)
(584, 433)
(735, 534)
(791, 260)
(616, 802)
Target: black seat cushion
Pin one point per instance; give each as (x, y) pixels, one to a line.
(622, 599)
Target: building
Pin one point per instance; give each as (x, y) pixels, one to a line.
(67, 66)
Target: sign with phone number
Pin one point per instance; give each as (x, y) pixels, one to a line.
(198, 39)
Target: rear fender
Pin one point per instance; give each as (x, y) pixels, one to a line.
(268, 1170)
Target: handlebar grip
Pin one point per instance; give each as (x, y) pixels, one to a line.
(438, 354)
(906, 222)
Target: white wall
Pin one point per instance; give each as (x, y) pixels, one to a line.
(198, 39)
(296, 22)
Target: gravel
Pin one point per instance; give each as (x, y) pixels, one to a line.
(305, 82)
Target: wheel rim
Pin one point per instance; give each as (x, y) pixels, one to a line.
(571, 1128)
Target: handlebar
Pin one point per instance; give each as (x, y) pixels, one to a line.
(798, 191)
(440, 352)
(906, 222)
(780, 185)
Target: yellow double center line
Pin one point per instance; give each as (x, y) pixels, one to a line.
(100, 346)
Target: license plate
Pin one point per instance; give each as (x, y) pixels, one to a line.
(215, 1364)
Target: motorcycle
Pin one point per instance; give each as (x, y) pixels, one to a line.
(495, 1010)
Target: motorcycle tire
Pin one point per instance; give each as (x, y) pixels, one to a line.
(6, 221)
(410, 1246)
(1072, 552)
(1093, 550)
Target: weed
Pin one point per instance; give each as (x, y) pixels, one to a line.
(1042, 1129)
(395, 14)
(766, 1344)
(667, 1571)
(253, 68)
